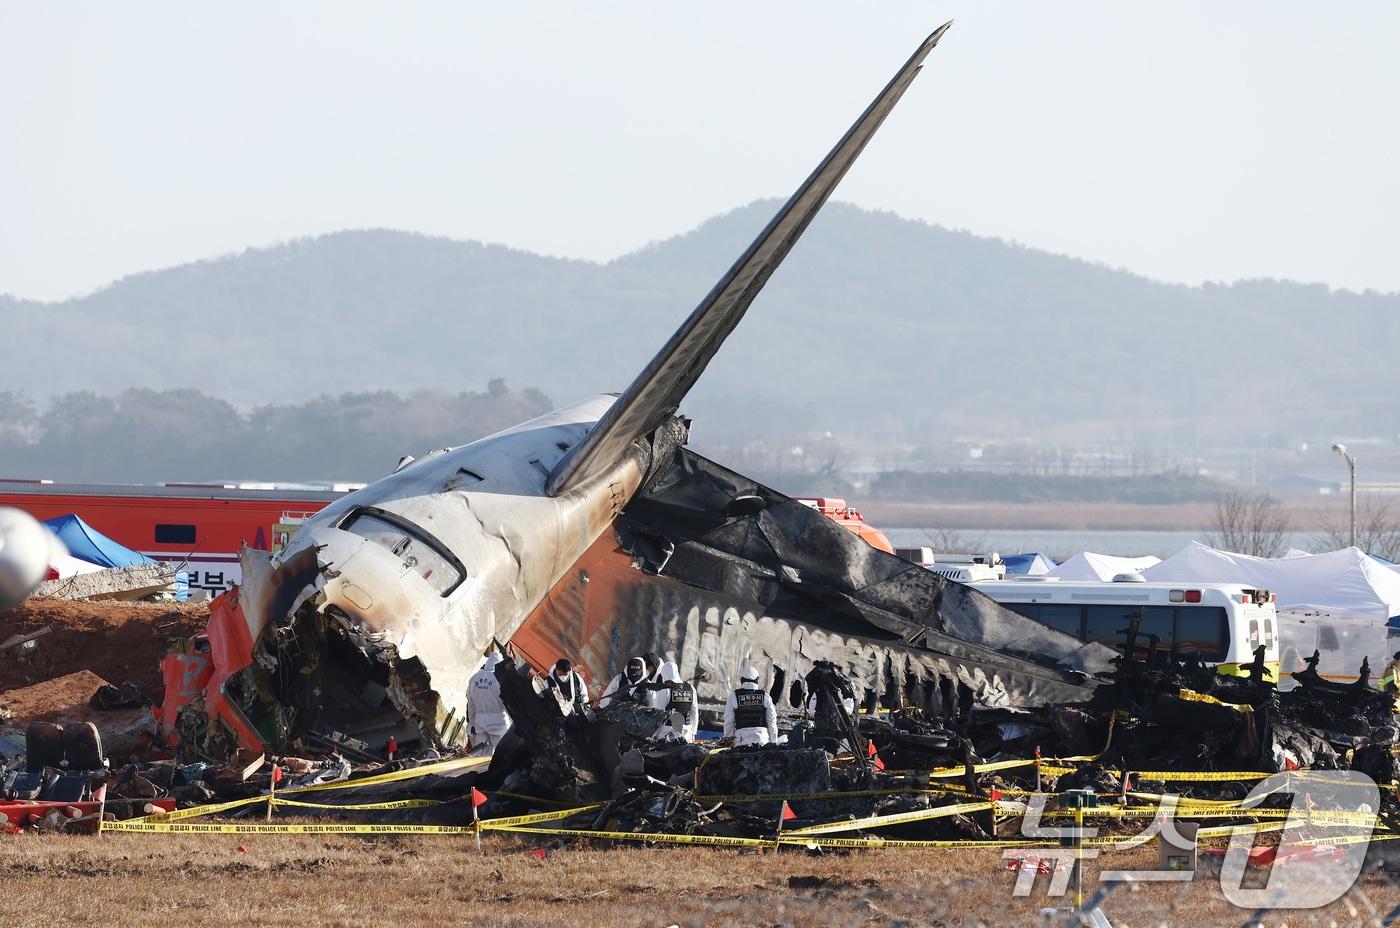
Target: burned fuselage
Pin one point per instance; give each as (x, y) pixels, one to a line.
(417, 574)
(420, 573)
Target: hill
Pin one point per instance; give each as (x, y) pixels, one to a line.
(876, 325)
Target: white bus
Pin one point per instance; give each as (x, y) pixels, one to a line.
(1221, 622)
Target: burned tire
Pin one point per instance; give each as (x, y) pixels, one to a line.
(82, 746)
(44, 745)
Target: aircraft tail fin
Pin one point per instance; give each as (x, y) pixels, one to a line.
(658, 390)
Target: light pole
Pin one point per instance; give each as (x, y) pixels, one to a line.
(1351, 466)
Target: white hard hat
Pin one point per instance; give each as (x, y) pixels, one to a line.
(748, 675)
(26, 550)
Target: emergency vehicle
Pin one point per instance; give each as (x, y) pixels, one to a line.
(1221, 622)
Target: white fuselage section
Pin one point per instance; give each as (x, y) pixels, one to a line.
(486, 505)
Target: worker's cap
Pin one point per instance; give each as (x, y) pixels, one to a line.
(563, 666)
(636, 662)
(748, 675)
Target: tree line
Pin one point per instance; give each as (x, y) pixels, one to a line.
(153, 436)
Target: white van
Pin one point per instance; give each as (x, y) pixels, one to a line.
(964, 568)
(1222, 622)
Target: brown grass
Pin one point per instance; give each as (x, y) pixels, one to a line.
(164, 880)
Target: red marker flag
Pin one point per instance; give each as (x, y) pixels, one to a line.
(100, 794)
(276, 774)
(1289, 763)
(874, 755)
(788, 814)
(478, 797)
(994, 794)
(393, 746)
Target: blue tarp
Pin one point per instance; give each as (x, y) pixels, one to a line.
(1027, 565)
(88, 544)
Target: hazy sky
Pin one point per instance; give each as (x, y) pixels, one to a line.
(1186, 141)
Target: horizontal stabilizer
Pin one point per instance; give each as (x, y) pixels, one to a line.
(663, 383)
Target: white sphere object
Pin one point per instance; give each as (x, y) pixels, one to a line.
(26, 550)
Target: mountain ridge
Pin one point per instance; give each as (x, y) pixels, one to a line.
(897, 325)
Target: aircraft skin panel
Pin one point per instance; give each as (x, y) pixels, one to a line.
(657, 391)
(484, 503)
(605, 610)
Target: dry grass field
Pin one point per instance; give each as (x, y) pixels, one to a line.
(138, 881)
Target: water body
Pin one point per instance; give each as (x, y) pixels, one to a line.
(1060, 544)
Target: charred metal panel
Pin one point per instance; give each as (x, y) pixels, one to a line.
(608, 609)
(802, 566)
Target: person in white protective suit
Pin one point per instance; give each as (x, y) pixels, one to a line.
(487, 719)
(567, 684)
(628, 686)
(682, 709)
(655, 692)
(749, 715)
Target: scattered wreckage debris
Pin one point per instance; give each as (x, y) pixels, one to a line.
(138, 581)
(25, 643)
(937, 769)
(567, 773)
(85, 699)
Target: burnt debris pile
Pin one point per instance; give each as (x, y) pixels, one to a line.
(946, 769)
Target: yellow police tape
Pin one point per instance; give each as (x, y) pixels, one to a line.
(525, 824)
(411, 773)
(1189, 802)
(828, 794)
(447, 766)
(659, 837)
(1193, 776)
(196, 811)
(909, 843)
(1225, 831)
(359, 806)
(896, 818)
(942, 772)
(789, 838)
(1186, 808)
(154, 824)
(239, 828)
(1301, 817)
(500, 824)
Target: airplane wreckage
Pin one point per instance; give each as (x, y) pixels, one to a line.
(593, 533)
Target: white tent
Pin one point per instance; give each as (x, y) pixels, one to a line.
(1090, 566)
(66, 565)
(1346, 581)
